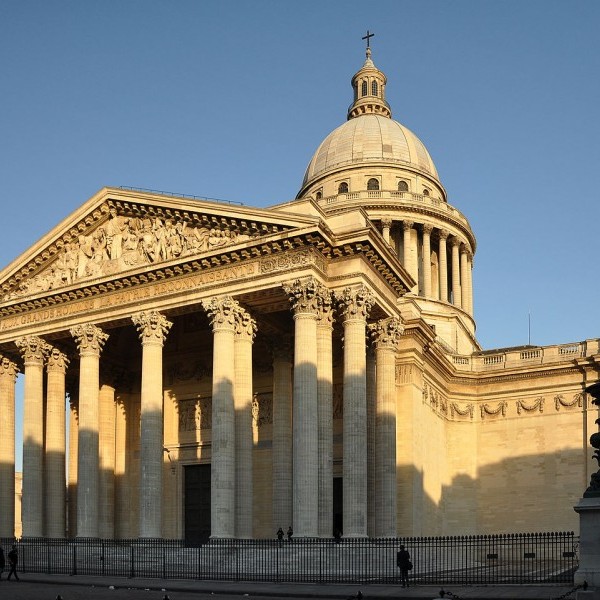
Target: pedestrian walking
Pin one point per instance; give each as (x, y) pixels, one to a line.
(2, 562)
(290, 533)
(404, 564)
(13, 559)
(280, 534)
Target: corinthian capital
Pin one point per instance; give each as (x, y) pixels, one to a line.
(385, 333)
(33, 349)
(221, 312)
(8, 368)
(89, 338)
(245, 325)
(57, 360)
(355, 303)
(152, 326)
(306, 295)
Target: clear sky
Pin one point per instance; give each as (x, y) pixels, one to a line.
(229, 99)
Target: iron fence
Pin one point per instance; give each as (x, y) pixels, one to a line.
(466, 560)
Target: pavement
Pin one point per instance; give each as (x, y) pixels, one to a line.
(309, 590)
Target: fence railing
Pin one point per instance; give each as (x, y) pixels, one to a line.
(486, 559)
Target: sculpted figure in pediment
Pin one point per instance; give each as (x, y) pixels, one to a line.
(121, 243)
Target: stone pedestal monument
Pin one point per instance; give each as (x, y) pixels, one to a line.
(588, 509)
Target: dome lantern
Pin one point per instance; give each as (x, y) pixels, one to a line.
(369, 91)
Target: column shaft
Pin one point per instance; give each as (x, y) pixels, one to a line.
(32, 505)
(153, 328)
(443, 267)
(106, 498)
(470, 282)
(72, 474)
(244, 442)
(371, 412)
(456, 293)
(427, 261)
(385, 334)
(282, 436)
(325, 421)
(55, 445)
(306, 296)
(305, 427)
(464, 280)
(8, 375)
(222, 509)
(90, 340)
(356, 304)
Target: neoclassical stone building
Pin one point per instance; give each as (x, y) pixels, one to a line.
(230, 370)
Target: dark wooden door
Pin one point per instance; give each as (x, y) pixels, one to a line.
(197, 504)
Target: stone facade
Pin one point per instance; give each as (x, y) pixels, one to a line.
(231, 370)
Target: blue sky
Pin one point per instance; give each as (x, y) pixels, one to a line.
(229, 99)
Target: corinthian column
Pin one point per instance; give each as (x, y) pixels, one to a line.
(386, 225)
(55, 444)
(90, 341)
(222, 314)
(325, 413)
(464, 279)
(355, 305)
(282, 433)
(456, 293)
(152, 327)
(304, 296)
(245, 330)
(8, 376)
(385, 335)
(427, 260)
(409, 251)
(470, 281)
(443, 236)
(33, 350)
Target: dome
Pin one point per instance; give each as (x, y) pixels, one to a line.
(369, 138)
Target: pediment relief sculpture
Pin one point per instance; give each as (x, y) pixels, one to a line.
(123, 243)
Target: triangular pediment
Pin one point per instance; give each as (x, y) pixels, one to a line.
(119, 232)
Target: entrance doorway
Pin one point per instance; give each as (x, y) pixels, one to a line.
(197, 504)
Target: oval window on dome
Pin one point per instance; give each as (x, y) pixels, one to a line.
(425, 192)
(373, 184)
(364, 88)
(319, 195)
(402, 186)
(343, 188)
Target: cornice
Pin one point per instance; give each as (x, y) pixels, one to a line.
(257, 248)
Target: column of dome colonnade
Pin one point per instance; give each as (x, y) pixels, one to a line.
(355, 305)
(454, 281)
(56, 368)
(8, 378)
(34, 351)
(90, 341)
(153, 328)
(282, 470)
(306, 296)
(385, 335)
(245, 331)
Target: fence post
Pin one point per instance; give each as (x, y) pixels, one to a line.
(74, 567)
(132, 565)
